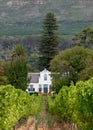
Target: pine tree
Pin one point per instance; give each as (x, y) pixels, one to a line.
(49, 41)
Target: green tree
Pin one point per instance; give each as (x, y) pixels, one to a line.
(3, 77)
(88, 71)
(18, 52)
(33, 60)
(85, 38)
(49, 41)
(70, 65)
(17, 73)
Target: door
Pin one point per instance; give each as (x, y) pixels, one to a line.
(45, 88)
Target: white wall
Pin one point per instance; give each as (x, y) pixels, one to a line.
(42, 82)
(35, 85)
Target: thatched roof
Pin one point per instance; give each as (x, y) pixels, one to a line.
(34, 77)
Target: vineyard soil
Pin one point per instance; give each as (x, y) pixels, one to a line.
(43, 122)
(31, 123)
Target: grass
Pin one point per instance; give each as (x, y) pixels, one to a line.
(44, 119)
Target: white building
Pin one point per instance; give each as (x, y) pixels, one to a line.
(39, 81)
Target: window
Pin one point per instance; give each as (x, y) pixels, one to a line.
(28, 89)
(45, 76)
(40, 88)
(31, 88)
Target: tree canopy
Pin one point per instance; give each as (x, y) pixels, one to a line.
(85, 38)
(17, 72)
(49, 41)
(71, 64)
(3, 77)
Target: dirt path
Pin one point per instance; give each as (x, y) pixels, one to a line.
(44, 121)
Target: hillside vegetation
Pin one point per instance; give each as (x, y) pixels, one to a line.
(23, 17)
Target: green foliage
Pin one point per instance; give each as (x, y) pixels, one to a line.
(17, 73)
(3, 77)
(33, 60)
(48, 46)
(8, 43)
(3, 80)
(75, 103)
(73, 16)
(88, 71)
(70, 65)
(19, 51)
(16, 104)
(85, 38)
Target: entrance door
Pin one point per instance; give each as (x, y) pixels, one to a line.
(45, 88)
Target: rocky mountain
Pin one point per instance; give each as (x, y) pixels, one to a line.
(24, 17)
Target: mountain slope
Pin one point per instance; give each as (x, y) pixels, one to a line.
(24, 17)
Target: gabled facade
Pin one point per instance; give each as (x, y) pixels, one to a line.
(40, 81)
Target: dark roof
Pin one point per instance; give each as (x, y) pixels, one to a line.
(34, 77)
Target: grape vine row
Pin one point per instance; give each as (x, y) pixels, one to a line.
(16, 104)
(75, 103)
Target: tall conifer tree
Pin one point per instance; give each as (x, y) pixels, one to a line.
(48, 46)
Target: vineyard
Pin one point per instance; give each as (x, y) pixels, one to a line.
(72, 105)
(15, 105)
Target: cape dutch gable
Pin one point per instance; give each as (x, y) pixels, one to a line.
(40, 81)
